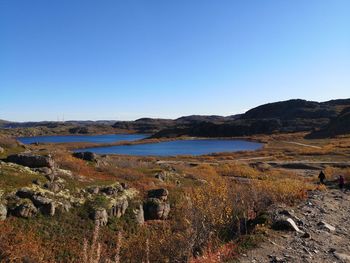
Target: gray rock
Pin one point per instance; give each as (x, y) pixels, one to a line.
(285, 224)
(2, 150)
(100, 216)
(113, 189)
(119, 208)
(163, 175)
(45, 205)
(93, 190)
(87, 156)
(25, 193)
(3, 212)
(54, 186)
(327, 226)
(161, 194)
(156, 209)
(26, 209)
(31, 160)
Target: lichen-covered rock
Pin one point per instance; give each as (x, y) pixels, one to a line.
(3, 212)
(112, 189)
(31, 160)
(26, 209)
(45, 205)
(100, 216)
(156, 209)
(54, 186)
(118, 207)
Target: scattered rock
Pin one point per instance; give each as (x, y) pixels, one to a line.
(306, 235)
(54, 186)
(285, 224)
(87, 156)
(326, 226)
(162, 176)
(31, 160)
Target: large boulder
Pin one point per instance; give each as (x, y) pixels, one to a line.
(31, 160)
(87, 156)
(45, 205)
(156, 209)
(3, 212)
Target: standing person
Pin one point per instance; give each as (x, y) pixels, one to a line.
(322, 177)
(341, 182)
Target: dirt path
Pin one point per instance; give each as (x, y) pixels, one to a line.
(323, 245)
(303, 144)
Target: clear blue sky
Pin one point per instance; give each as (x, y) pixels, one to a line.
(115, 59)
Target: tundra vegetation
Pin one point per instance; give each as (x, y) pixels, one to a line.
(60, 206)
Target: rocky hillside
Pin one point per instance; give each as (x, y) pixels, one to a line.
(340, 125)
(284, 116)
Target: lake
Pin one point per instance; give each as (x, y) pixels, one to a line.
(180, 147)
(104, 138)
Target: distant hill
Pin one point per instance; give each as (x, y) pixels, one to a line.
(320, 118)
(339, 125)
(284, 116)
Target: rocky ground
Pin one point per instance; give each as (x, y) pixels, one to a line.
(324, 233)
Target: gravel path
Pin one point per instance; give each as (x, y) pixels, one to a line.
(322, 243)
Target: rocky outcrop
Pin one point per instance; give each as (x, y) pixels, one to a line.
(156, 206)
(87, 156)
(25, 208)
(31, 160)
(118, 208)
(45, 205)
(100, 216)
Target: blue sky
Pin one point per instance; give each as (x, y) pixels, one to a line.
(128, 59)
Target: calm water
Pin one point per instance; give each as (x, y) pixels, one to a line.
(105, 138)
(181, 147)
